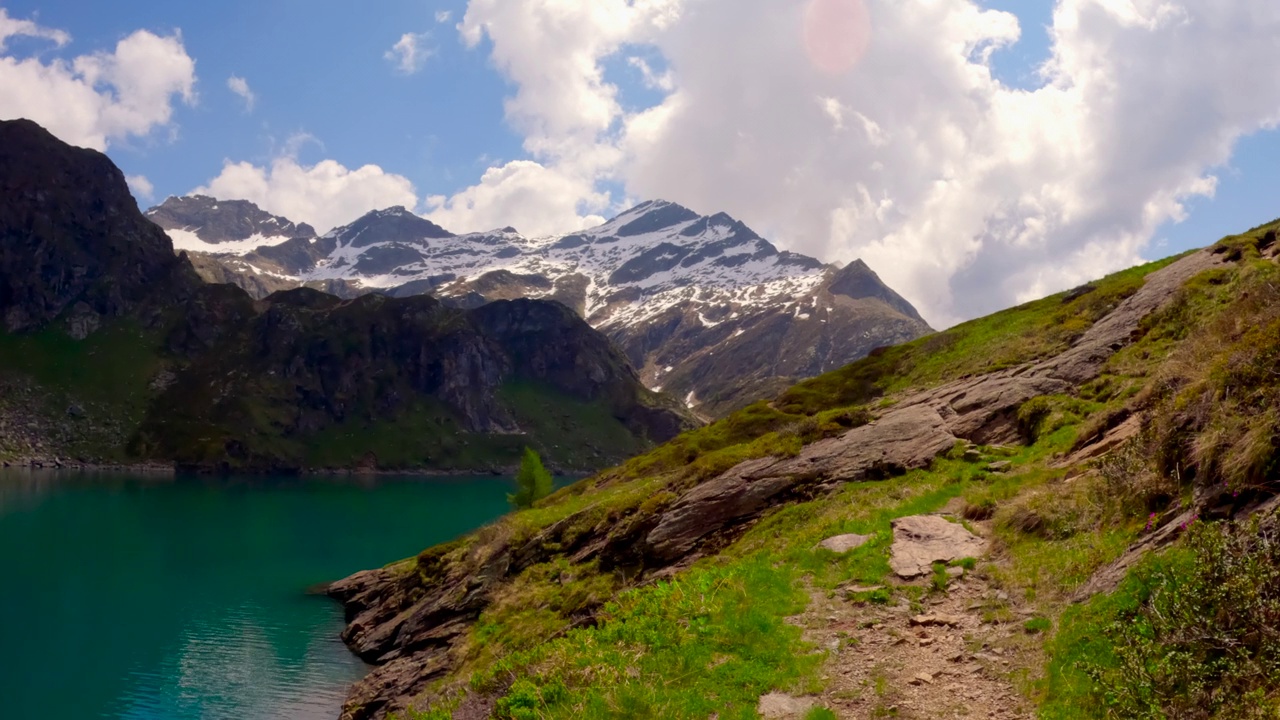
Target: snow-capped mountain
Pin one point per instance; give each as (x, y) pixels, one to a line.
(703, 306)
(204, 224)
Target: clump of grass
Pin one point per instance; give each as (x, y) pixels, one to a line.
(1036, 625)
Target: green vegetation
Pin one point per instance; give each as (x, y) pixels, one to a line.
(1191, 627)
(1192, 633)
(98, 388)
(533, 482)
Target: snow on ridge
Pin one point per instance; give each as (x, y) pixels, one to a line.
(186, 239)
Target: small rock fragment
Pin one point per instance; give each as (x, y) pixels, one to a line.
(782, 706)
(999, 467)
(922, 679)
(937, 619)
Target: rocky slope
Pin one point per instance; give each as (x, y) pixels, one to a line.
(1055, 429)
(703, 306)
(106, 327)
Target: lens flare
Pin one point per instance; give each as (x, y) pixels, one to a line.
(837, 34)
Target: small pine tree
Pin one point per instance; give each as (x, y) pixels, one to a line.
(533, 482)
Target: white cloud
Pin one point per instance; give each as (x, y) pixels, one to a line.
(324, 195)
(141, 187)
(91, 100)
(962, 192)
(240, 86)
(11, 27)
(442, 16)
(652, 80)
(410, 53)
(537, 200)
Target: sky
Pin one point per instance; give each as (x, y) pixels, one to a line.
(976, 153)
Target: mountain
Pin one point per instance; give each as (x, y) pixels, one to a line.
(1081, 490)
(114, 348)
(69, 246)
(704, 307)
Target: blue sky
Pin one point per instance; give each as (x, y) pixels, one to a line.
(551, 131)
(316, 67)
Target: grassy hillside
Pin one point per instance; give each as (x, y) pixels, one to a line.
(1193, 630)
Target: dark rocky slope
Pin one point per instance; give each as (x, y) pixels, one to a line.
(105, 325)
(72, 242)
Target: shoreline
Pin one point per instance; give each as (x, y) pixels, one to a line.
(57, 464)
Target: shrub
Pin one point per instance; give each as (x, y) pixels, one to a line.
(1203, 638)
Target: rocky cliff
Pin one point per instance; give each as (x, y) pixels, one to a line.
(72, 242)
(1053, 431)
(106, 326)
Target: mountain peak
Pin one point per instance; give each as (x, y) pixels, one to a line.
(216, 221)
(652, 216)
(393, 224)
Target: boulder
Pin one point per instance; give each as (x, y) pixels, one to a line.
(919, 541)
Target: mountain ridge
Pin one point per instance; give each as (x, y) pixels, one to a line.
(672, 288)
(107, 325)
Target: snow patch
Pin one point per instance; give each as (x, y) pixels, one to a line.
(188, 240)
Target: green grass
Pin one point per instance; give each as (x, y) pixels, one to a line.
(107, 375)
(714, 638)
(112, 366)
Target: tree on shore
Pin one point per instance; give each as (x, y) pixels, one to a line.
(533, 482)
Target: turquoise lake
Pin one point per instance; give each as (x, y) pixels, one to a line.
(165, 599)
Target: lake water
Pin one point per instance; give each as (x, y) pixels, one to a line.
(166, 599)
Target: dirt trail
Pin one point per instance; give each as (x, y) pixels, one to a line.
(938, 660)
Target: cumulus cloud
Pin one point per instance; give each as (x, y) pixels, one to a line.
(323, 195)
(410, 53)
(536, 199)
(898, 146)
(141, 187)
(240, 86)
(93, 99)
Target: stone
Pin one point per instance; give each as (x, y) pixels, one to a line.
(999, 467)
(783, 707)
(844, 543)
(955, 572)
(936, 619)
(919, 541)
(922, 679)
